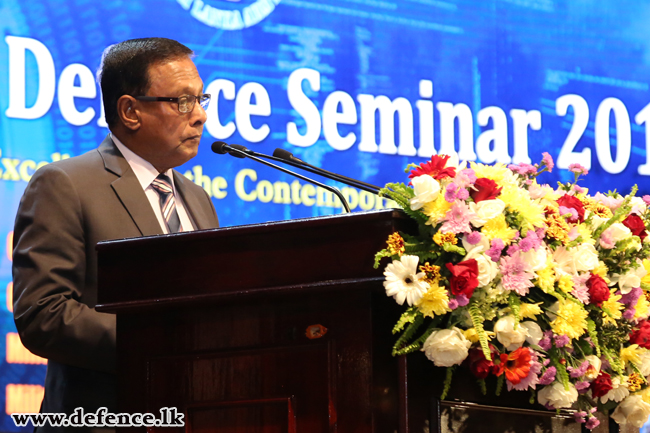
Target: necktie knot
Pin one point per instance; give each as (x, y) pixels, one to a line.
(163, 186)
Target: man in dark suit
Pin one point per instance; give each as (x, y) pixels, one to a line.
(155, 108)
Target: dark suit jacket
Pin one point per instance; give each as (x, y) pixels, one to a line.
(67, 208)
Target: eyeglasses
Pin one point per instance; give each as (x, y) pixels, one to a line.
(185, 102)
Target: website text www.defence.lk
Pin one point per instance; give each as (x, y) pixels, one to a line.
(169, 417)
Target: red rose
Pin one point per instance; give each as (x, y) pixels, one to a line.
(636, 226)
(571, 202)
(598, 290)
(641, 336)
(478, 365)
(484, 189)
(434, 168)
(464, 277)
(601, 385)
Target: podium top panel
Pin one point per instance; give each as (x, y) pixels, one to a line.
(250, 260)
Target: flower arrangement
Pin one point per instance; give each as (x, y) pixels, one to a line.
(546, 289)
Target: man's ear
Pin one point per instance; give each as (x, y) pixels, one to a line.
(127, 112)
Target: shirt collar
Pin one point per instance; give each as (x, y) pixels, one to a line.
(143, 169)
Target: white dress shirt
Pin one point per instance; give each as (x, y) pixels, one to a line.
(146, 173)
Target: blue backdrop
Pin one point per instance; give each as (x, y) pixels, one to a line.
(361, 87)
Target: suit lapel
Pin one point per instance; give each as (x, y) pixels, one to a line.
(192, 202)
(128, 189)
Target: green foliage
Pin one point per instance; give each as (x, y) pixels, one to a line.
(447, 385)
(481, 385)
(515, 306)
(403, 339)
(402, 194)
(500, 381)
(591, 328)
(477, 321)
(407, 317)
(380, 255)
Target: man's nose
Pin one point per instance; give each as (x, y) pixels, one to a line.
(199, 115)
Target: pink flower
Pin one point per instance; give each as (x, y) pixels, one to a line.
(580, 289)
(578, 169)
(578, 189)
(547, 160)
(457, 219)
(611, 202)
(523, 168)
(465, 178)
(516, 274)
(592, 423)
(607, 241)
(473, 238)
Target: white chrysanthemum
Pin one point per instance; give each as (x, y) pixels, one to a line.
(426, 190)
(403, 281)
(618, 392)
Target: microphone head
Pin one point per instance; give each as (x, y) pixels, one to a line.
(219, 147)
(240, 147)
(285, 154)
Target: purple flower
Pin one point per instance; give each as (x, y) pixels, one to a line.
(632, 297)
(473, 238)
(548, 377)
(580, 416)
(578, 169)
(545, 342)
(592, 423)
(450, 192)
(629, 313)
(523, 169)
(465, 178)
(547, 160)
(462, 194)
(580, 290)
(453, 304)
(582, 387)
(579, 371)
(560, 340)
(512, 250)
(462, 300)
(495, 249)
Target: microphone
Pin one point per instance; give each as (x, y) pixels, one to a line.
(222, 148)
(288, 157)
(239, 151)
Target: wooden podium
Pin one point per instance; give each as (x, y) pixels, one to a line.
(278, 327)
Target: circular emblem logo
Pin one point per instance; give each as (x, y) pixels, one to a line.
(229, 14)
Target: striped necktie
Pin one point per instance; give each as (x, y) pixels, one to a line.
(163, 186)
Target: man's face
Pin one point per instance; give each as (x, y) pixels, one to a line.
(168, 138)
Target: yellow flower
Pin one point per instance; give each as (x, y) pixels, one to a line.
(395, 244)
(442, 238)
(435, 301)
(565, 283)
(601, 270)
(632, 354)
(612, 309)
(472, 335)
(546, 278)
(634, 382)
(529, 311)
(436, 209)
(497, 227)
(519, 200)
(642, 308)
(585, 234)
(496, 172)
(571, 319)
